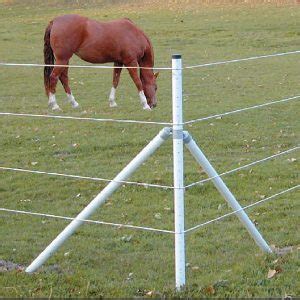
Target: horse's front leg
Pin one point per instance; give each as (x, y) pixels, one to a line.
(136, 79)
(64, 79)
(116, 80)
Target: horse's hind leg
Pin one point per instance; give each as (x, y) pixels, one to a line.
(116, 79)
(64, 79)
(55, 74)
(52, 89)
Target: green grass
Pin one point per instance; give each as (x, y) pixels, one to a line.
(222, 260)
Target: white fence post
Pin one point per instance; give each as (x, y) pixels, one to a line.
(178, 170)
(100, 199)
(225, 192)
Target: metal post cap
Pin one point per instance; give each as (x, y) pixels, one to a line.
(176, 56)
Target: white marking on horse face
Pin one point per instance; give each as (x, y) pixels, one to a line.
(72, 100)
(143, 100)
(52, 102)
(112, 97)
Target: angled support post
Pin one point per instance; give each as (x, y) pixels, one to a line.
(225, 192)
(100, 199)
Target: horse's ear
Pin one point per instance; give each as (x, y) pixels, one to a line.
(156, 74)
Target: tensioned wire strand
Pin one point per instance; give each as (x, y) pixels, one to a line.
(149, 228)
(82, 118)
(242, 110)
(243, 167)
(80, 66)
(241, 209)
(86, 177)
(149, 184)
(151, 122)
(217, 63)
(156, 68)
(119, 225)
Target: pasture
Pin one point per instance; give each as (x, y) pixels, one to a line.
(104, 261)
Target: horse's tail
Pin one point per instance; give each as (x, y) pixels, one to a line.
(48, 57)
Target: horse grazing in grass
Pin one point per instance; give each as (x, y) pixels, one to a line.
(119, 41)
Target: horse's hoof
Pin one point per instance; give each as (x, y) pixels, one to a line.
(75, 105)
(56, 107)
(146, 107)
(112, 103)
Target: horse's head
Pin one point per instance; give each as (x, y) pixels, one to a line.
(150, 88)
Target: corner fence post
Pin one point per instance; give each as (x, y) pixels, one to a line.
(178, 170)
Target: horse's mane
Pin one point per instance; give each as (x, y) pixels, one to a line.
(151, 50)
(129, 20)
(149, 53)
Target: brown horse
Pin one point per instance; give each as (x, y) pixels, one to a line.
(119, 41)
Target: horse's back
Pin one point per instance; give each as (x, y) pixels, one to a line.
(98, 42)
(117, 40)
(67, 33)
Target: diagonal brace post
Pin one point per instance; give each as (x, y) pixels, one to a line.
(100, 199)
(225, 192)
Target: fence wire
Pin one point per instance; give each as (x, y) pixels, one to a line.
(241, 209)
(8, 64)
(82, 118)
(217, 63)
(144, 184)
(243, 167)
(127, 226)
(242, 109)
(119, 225)
(225, 62)
(151, 122)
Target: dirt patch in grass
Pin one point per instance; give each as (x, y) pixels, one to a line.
(6, 266)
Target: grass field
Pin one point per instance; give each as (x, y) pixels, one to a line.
(222, 260)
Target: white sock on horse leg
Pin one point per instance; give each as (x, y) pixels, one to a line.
(144, 100)
(112, 97)
(72, 100)
(52, 102)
